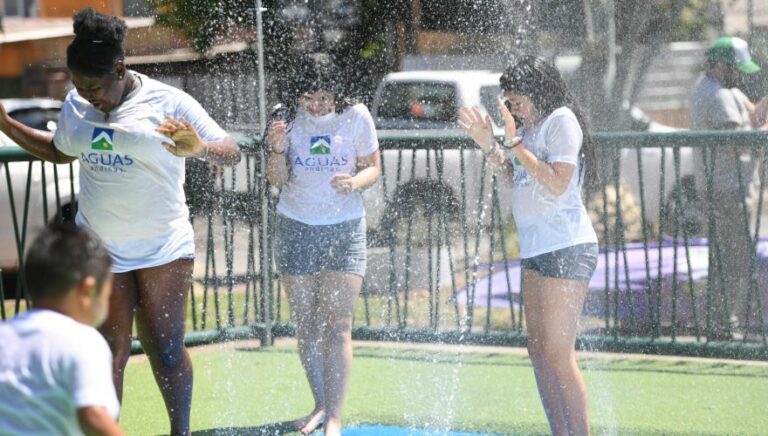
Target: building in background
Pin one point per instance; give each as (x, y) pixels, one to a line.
(36, 33)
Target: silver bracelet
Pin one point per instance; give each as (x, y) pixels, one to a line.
(512, 143)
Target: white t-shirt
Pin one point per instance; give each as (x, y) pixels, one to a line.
(546, 222)
(319, 148)
(131, 187)
(50, 366)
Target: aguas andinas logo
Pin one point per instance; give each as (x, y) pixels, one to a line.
(321, 159)
(102, 158)
(102, 139)
(320, 144)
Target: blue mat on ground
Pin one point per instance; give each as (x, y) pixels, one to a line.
(383, 430)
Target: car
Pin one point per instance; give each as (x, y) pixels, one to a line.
(40, 113)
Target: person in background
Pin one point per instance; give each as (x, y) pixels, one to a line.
(548, 159)
(322, 158)
(55, 367)
(717, 103)
(131, 135)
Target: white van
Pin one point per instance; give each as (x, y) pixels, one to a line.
(431, 99)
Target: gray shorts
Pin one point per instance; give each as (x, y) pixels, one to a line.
(303, 249)
(572, 263)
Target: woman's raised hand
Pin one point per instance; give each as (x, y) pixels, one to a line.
(478, 127)
(187, 141)
(510, 127)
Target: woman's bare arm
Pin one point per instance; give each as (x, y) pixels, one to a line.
(36, 142)
(554, 176)
(95, 421)
(277, 153)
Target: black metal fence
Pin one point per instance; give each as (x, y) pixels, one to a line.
(443, 249)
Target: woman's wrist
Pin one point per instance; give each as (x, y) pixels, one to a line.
(353, 186)
(489, 147)
(510, 143)
(203, 153)
(495, 154)
(274, 148)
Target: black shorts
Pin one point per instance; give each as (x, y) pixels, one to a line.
(577, 262)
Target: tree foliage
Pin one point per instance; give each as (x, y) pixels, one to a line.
(204, 21)
(617, 38)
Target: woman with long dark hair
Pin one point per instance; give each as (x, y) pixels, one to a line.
(131, 134)
(322, 156)
(550, 158)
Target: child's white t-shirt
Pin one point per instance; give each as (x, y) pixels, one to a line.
(131, 187)
(50, 366)
(318, 149)
(546, 222)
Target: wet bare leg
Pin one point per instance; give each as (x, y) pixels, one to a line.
(118, 328)
(553, 307)
(302, 294)
(162, 306)
(338, 292)
(535, 319)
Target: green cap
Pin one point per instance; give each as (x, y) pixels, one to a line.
(733, 51)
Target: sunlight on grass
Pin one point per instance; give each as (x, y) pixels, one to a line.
(244, 388)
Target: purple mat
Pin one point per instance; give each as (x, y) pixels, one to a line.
(501, 282)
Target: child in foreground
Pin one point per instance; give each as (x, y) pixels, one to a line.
(55, 367)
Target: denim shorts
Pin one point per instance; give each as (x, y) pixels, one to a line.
(572, 263)
(303, 249)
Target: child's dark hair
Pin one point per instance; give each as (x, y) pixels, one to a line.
(60, 257)
(99, 43)
(540, 81)
(308, 75)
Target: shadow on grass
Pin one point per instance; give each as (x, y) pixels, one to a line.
(272, 429)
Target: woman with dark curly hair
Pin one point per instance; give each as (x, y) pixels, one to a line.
(549, 159)
(322, 157)
(131, 134)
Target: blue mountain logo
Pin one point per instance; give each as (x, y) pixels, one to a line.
(320, 145)
(102, 139)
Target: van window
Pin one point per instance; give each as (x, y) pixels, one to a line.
(37, 118)
(419, 104)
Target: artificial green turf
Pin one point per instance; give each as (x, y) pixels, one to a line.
(248, 388)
